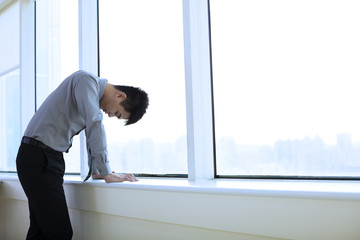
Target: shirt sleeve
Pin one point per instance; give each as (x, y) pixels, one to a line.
(86, 92)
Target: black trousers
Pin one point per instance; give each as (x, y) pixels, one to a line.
(41, 173)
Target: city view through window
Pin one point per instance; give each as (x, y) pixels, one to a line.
(285, 78)
(285, 82)
(298, 157)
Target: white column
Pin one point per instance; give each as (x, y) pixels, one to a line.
(27, 62)
(198, 90)
(88, 58)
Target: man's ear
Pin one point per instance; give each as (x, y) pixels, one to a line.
(120, 94)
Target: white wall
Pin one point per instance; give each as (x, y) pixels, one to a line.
(125, 211)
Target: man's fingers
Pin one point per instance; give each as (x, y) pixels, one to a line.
(131, 177)
(126, 177)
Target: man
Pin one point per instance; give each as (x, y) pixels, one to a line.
(75, 105)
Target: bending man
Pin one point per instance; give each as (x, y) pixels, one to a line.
(75, 105)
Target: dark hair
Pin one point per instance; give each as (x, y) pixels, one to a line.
(136, 102)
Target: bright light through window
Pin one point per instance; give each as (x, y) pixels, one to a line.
(286, 77)
(57, 54)
(9, 86)
(141, 44)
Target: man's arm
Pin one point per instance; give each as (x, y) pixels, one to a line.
(86, 94)
(115, 177)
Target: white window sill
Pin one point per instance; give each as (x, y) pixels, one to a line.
(346, 190)
(236, 206)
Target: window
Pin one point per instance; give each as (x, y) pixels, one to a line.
(284, 82)
(9, 85)
(285, 77)
(141, 44)
(57, 54)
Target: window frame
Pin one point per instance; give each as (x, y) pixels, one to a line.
(198, 83)
(198, 80)
(267, 177)
(179, 168)
(27, 61)
(88, 58)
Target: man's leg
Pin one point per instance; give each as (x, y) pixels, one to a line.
(41, 175)
(34, 231)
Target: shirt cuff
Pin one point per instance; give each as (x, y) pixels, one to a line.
(104, 169)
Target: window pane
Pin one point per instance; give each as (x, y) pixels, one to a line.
(9, 86)
(9, 122)
(141, 44)
(286, 79)
(10, 36)
(57, 55)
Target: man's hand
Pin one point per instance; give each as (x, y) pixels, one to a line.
(118, 177)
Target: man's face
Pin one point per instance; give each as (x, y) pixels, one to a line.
(112, 107)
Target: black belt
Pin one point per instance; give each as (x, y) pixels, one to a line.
(34, 142)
